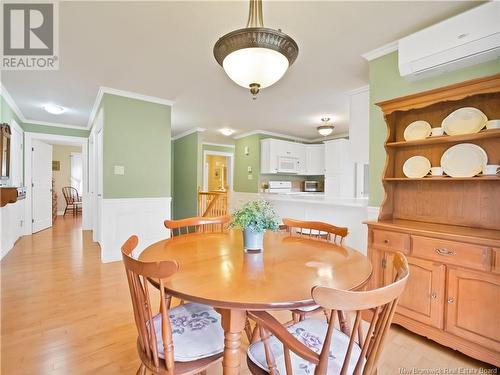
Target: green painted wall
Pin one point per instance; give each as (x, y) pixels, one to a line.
(242, 162)
(386, 83)
(186, 177)
(35, 128)
(136, 136)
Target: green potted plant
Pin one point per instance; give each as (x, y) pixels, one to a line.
(254, 218)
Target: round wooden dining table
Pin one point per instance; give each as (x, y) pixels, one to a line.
(215, 270)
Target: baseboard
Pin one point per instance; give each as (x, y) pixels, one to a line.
(124, 217)
(60, 213)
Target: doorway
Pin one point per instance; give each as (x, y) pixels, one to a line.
(55, 165)
(217, 171)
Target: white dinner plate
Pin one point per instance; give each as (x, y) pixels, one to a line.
(467, 120)
(416, 167)
(464, 160)
(417, 130)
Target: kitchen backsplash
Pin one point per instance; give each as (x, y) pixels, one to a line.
(296, 180)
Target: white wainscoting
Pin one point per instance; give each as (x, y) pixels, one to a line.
(11, 223)
(334, 212)
(140, 216)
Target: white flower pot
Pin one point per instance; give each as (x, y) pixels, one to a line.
(253, 241)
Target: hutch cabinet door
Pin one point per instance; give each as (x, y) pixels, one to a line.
(473, 305)
(423, 298)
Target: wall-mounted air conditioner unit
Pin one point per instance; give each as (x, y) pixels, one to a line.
(466, 39)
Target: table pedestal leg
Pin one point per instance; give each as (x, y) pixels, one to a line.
(233, 323)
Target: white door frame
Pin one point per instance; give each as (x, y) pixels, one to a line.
(230, 155)
(28, 144)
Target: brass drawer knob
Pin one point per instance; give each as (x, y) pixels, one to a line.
(444, 251)
(451, 300)
(386, 241)
(434, 295)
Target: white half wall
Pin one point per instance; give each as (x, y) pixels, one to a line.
(11, 225)
(337, 212)
(124, 217)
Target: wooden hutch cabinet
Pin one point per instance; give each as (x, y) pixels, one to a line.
(449, 228)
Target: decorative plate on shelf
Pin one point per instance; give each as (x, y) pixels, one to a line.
(467, 120)
(416, 167)
(417, 130)
(464, 160)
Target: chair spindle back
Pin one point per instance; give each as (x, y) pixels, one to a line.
(138, 274)
(316, 229)
(197, 224)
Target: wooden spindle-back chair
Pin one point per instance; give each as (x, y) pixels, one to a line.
(316, 230)
(159, 360)
(331, 352)
(73, 200)
(197, 224)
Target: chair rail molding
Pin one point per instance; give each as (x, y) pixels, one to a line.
(122, 217)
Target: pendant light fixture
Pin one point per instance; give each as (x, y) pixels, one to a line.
(255, 57)
(325, 129)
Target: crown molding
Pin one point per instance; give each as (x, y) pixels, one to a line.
(273, 134)
(188, 132)
(331, 137)
(127, 94)
(12, 104)
(359, 90)
(218, 144)
(55, 124)
(380, 51)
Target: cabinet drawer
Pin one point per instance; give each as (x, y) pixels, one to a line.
(451, 252)
(391, 241)
(496, 260)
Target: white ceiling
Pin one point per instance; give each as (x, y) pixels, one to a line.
(164, 49)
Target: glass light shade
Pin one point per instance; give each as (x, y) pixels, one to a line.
(255, 65)
(54, 109)
(325, 130)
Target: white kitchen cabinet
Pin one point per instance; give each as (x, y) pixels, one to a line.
(274, 150)
(315, 160)
(339, 169)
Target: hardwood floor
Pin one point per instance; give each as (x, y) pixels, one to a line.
(64, 312)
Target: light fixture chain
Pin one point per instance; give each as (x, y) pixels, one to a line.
(255, 17)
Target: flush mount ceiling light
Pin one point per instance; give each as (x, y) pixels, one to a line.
(255, 57)
(54, 109)
(325, 129)
(226, 131)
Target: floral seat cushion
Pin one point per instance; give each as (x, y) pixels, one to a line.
(311, 332)
(196, 332)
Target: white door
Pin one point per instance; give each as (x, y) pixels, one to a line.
(41, 190)
(77, 172)
(98, 186)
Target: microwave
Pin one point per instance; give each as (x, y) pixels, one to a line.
(287, 164)
(311, 186)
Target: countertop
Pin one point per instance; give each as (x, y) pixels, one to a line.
(317, 198)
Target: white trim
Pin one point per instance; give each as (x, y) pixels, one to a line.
(380, 51)
(28, 142)
(10, 101)
(265, 132)
(127, 94)
(359, 90)
(230, 155)
(188, 132)
(218, 144)
(95, 107)
(331, 137)
(57, 125)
